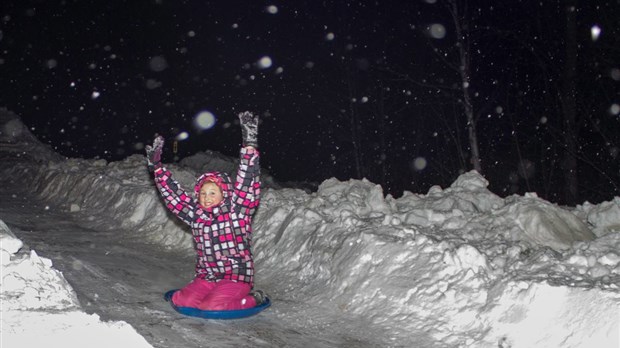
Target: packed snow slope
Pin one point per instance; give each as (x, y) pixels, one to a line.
(462, 265)
(40, 309)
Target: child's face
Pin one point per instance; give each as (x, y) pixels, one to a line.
(210, 195)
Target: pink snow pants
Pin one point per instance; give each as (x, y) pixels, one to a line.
(222, 295)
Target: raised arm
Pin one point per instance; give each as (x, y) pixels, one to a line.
(176, 199)
(246, 194)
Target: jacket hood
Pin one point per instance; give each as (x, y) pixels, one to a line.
(222, 180)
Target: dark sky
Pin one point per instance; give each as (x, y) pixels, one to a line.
(354, 88)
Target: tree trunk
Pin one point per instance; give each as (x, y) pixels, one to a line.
(462, 37)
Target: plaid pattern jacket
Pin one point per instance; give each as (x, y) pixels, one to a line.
(223, 234)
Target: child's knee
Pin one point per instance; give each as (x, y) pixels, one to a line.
(192, 294)
(185, 298)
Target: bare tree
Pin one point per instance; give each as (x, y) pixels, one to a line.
(458, 61)
(458, 12)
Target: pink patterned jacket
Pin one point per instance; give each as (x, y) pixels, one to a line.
(223, 234)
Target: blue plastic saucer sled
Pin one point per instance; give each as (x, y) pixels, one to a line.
(232, 314)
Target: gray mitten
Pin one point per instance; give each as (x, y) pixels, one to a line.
(153, 153)
(249, 128)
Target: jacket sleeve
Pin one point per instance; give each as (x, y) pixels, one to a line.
(246, 193)
(175, 198)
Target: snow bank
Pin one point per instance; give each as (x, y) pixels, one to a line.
(462, 264)
(17, 140)
(39, 307)
(466, 266)
(543, 223)
(602, 217)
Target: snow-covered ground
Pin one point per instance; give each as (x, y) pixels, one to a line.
(88, 250)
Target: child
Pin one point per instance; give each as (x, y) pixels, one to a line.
(221, 220)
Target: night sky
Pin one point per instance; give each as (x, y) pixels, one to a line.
(345, 89)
